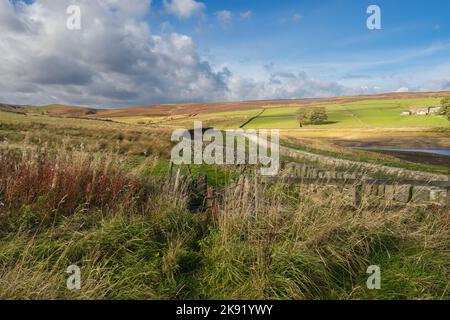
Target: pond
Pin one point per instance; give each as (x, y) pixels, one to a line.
(431, 151)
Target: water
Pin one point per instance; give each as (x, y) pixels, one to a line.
(432, 151)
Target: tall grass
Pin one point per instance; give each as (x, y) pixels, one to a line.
(90, 136)
(301, 244)
(135, 237)
(131, 237)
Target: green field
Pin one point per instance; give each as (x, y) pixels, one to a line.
(364, 114)
(361, 114)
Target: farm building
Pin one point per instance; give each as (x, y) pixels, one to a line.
(432, 110)
(422, 111)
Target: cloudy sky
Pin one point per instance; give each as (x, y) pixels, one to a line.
(136, 52)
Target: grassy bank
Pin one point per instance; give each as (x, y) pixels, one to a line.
(134, 238)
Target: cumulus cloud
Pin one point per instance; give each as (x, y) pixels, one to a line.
(183, 9)
(402, 89)
(442, 84)
(113, 60)
(283, 85)
(116, 60)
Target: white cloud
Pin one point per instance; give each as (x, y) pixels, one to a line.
(225, 17)
(402, 89)
(116, 60)
(283, 85)
(183, 9)
(295, 18)
(113, 60)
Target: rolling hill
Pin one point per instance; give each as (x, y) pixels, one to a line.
(12, 108)
(164, 110)
(202, 108)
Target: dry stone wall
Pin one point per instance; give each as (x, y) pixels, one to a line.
(395, 190)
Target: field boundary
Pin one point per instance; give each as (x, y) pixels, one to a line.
(252, 118)
(403, 191)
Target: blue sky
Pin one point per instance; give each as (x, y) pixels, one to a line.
(164, 51)
(330, 39)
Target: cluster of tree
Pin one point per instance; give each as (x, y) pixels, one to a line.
(445, 108)
(311, 115)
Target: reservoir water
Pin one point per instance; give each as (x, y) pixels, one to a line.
(432, 151)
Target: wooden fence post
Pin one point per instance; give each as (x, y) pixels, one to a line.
(177, 181)
(357, 195)
(246, 193)
(170, 169)
(170, 173)
(448, 198)
(202, 190)
(257, 195)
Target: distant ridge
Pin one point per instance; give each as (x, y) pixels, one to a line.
(59, 110)
(12, 108)
(56, 110)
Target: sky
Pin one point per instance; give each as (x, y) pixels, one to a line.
(139, 52)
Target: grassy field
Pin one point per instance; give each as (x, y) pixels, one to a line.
(230, 119)
(97, 194)
(363, 114)
(373, 121)
(134, 238)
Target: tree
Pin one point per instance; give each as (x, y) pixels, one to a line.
(319, 116)
(445, 108)
(311, 115)
(302, 116)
